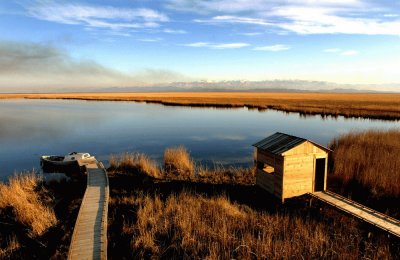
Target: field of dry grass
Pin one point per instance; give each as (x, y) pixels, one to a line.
(187, 225)
(22, 196)
(37, 218)
(178, 165)
(383, 106)
(370, 158)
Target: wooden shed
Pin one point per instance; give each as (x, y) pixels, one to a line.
(289, 166)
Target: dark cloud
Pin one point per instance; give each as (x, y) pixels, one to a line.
(36, 67)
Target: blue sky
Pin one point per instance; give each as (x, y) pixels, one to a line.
(82, 44)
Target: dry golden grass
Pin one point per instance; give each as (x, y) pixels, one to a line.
(191, 226)
(177, 162)
(385, 106)
(12, 246)
(135, 162)
(371, 158)
(179, 166)
(21, 195)
(222, 175)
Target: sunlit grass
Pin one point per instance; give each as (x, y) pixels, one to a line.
(21, 195)
(189, 225)
(178, 165)
(371, 158)
(372, 105)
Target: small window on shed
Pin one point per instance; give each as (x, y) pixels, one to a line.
(267, 168)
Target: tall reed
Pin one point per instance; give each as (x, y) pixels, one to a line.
(21, 195)
(189, 225)
(371, 158)
(177, 161)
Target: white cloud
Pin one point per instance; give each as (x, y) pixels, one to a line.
(234, 45)
(391, 15)
(151, 39)
(250, 33)
(342, 52)
(234, 19)
(198, 44)
(238, 6)
(332, 50)
(172, 31)
(98, 16)
(349, 53)
(313, 20)
(276, 47)
(301, 17)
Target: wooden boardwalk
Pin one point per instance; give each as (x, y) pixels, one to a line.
(371, 216)
(89, 240)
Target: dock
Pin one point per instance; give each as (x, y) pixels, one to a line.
(382, 221)
(89, 239)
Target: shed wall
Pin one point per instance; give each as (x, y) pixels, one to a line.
(298, 175)
(270, 182)
(294, 170)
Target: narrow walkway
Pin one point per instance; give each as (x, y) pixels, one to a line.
(371, 216)
(89, 240)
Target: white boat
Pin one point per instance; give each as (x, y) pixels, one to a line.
(57, 163)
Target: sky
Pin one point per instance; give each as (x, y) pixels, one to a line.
(50, 45)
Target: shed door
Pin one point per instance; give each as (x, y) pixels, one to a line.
(319, 174)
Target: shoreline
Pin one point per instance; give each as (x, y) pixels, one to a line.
(348, 105)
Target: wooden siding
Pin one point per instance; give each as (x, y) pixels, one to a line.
(294, 170)
(304, 148)
(298, 175)
(270, 183)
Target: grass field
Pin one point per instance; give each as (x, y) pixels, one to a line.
(37, 219)
(186, 220)
(383, 106)
(370, 158)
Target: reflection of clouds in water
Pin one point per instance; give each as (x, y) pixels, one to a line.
(230, 137)
(29, 128)
(199, 138)
(227, 137)
(23, 120)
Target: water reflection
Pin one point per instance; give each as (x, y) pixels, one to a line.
(30, 128)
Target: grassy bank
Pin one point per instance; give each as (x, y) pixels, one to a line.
(37, 218)
(383, 106)
(181, 219)
(366, 166)
(179, 166)
(183, 210)
(172, 212)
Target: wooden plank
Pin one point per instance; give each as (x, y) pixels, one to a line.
(89, 239)
(378, 219)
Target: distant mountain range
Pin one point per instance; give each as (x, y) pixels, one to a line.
(257, 86)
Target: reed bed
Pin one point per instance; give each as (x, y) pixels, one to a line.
(179, 166)
(370, 158)
(12, 245)
(189, 225)
(371, 105)
(135, 162)
(177, 162)
(28, 205)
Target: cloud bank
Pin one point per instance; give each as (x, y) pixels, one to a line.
(301, 17)
(98, 16)
(38, 67)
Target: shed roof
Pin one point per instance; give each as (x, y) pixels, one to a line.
(279, 143)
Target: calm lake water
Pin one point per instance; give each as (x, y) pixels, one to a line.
(30, 128)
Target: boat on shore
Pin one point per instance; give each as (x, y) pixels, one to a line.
(66, 164)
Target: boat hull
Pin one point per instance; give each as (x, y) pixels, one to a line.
(56, 164)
